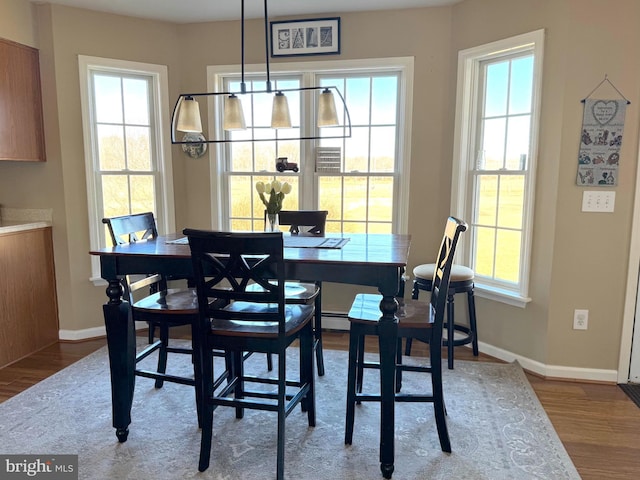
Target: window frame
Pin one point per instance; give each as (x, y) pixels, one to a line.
(465, 141)
(165, 214)
(216, 73)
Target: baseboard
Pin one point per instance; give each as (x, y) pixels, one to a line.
(87, 333)
(556, 372)
(338, 321)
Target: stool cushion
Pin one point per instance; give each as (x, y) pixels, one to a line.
(459, 273)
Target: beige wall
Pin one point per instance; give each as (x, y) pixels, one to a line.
(572, 250)
(579, 259)
(17, 22)
(60, 183)
(414, 33)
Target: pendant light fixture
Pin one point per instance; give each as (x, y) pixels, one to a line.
(280, 117)
(233, 114)
(228, 110)
(327, 114)
(189, 119)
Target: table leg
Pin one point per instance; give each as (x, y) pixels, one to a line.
(387, 339)
(121, 345)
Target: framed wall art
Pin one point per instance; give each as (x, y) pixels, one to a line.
(318, 36)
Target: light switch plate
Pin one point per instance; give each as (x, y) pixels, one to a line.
(598, 201)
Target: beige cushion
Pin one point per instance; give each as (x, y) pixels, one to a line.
(459, 273)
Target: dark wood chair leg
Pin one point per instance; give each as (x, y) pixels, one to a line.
(317, 332)
(238, 373)
(269, 362)
(438, 400)
(354, 342)
(308, 377)
(360, 363)
(399, 363)
(415, 292)
(152, 332)
(450, 330)
(282, 369)
(206, 393)
(472, 321)
(162, 353)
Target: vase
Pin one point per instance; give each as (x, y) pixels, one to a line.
(272, 224)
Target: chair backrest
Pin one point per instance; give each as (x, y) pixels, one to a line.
(225, 264)
(131, 228)
(312, 221)
(442, 273)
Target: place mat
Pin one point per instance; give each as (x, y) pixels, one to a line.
(179, 241)
(294, 241)
(300, 241)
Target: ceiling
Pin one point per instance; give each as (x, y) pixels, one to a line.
(190, 11)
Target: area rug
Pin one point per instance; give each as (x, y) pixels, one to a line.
(497, 426)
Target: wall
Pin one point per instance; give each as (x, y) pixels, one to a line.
(572, 251)
(420, 33)
(60, 183)
(579, 259)
(17, 22)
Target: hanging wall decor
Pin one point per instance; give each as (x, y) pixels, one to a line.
(601, 140)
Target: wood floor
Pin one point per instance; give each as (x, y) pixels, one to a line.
(598, 425)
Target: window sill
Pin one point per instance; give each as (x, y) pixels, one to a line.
(500, 295)
(98, 281)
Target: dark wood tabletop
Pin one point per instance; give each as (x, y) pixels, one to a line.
(366, 249)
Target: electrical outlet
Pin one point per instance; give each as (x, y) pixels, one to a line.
(580, 319)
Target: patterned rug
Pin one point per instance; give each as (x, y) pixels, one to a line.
(497, 426)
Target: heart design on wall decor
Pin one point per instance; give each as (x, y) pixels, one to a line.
(604, 112)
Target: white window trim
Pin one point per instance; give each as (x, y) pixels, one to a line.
(166, 207)
(468, 64)
(405, 96)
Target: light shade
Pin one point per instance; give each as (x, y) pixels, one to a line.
(233, 114)
(327, 115)
(189, 116)
(280, 117)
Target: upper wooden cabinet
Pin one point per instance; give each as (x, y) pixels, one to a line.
(21, 125)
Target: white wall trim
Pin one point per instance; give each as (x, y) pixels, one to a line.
(87, 333)
(165, 210)
(84, 334)
(559, 372)
(405, 119)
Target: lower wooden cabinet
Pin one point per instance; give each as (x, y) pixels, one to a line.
(28, 304)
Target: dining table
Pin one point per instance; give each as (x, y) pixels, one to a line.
(374, 260)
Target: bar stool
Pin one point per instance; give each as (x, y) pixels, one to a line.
(461, 282)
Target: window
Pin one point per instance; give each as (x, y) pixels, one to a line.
(495, 157)
(365, 190)
(123, 106)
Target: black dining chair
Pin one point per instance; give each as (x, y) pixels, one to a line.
(417, 319)
(152, 301)
(239, 320)
(306, 222)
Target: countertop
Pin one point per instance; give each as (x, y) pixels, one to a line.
(11, 227)
(19, 219)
